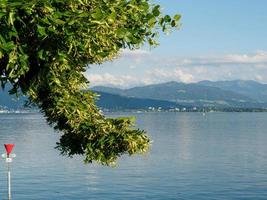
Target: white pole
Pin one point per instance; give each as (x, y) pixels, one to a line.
(9, 181)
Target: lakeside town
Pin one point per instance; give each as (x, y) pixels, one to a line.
(4, 110)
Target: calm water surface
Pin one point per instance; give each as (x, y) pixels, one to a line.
(193, 157)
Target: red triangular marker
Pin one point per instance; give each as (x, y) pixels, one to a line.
(9, 148)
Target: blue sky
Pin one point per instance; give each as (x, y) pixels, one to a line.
(218, 40)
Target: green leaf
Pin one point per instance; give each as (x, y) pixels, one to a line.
(59, 21)
(152, 22)
(167, 18)
(97, 14)
(2, 14)
(42, 31)
(112, 17)
(48, 9)
(173, 23)
(177, 17)
(2, 40)
(9, 46)
(41, 54)
(156, 11)
(11, 18)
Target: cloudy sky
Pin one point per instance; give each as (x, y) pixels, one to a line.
(218, 40)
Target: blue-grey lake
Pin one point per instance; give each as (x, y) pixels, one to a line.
(193, 157)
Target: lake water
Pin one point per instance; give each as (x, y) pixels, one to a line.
(193, 157)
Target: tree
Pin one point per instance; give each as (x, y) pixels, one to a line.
(45, 46)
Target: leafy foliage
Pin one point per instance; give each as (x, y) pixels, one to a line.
(45, 46)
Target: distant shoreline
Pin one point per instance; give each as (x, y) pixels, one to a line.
(207, 110)
(191, 110)
(18, 111)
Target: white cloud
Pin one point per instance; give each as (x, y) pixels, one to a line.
(126, 81)
(134, 53)
(260, 57)
(111, 80)
(132, 66)
(142, 68)
(122, 81)
(177, 74)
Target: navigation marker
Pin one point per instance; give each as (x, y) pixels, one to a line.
(9, 157)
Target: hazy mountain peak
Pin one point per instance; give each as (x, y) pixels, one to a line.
(204, 93)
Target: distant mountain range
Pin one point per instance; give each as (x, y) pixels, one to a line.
(204, 94)
(173, 95)
(252, 89)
